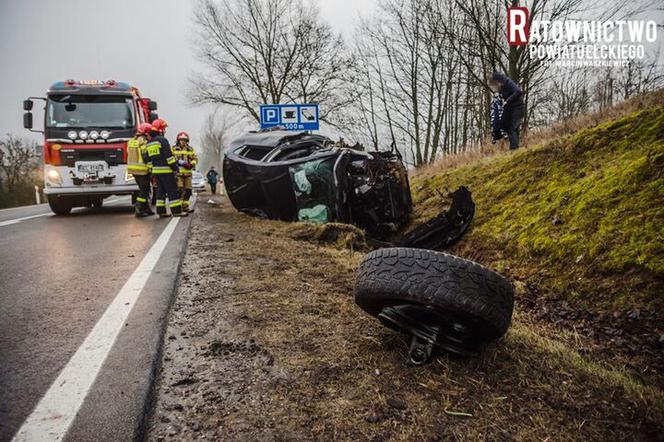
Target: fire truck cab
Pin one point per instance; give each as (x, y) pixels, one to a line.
(86, 128)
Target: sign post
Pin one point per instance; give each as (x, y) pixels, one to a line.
(290, 116)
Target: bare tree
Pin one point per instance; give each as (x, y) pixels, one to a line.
(268, 52)
(19, 166)
(219, 128)
(423, 68)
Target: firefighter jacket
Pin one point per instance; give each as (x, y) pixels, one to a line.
(160, 154)
(137, 156)
(188, 156)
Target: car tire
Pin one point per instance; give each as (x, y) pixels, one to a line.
(481, 299)
(97, 203)
(60, 205)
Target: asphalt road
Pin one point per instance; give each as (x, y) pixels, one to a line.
(58, 276)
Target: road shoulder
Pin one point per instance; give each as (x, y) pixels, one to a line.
(125, 382)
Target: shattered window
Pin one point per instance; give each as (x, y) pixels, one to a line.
(315, 191)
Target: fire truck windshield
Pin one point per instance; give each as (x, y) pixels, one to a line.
(86, 111)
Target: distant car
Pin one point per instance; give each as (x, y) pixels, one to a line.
(197, 182)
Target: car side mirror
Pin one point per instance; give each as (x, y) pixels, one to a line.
(27, 120)
(27, 105)
(152, 105)
(153, 116)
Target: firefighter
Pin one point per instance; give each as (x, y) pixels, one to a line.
(164, 166)
(137, 165)
(187, 160)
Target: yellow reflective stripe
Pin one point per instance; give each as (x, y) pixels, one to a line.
(161, 169)
(175, 203)
(141, 199)
(137, 166)
(161, 203)
(170, 160)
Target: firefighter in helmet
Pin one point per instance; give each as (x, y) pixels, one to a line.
(137, 165)
(186, 158)
(164, 167)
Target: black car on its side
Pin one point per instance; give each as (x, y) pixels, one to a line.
(301, 176)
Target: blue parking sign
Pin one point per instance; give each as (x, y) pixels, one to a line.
(290, 116)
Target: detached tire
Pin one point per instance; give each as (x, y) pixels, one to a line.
(466, 297)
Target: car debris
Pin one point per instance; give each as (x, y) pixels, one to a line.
(445, 229)
(298, 176)
(440, 300)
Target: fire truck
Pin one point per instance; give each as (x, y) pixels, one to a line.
(86, 128)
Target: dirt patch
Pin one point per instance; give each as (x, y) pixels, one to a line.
(264, 342)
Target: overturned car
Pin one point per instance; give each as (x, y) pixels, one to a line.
(301, 176)
(304, 177)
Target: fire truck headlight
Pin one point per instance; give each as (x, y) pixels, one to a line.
(83, 134)
(94, 134)
(72, 134)
(54, 176)
(105, 134)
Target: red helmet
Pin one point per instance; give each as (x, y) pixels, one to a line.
(182, 136)
(159, 125)
(144, 128)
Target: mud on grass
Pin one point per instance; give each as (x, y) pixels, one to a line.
(264, 342)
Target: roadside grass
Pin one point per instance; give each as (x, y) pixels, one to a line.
(580, 216)
(339, 375)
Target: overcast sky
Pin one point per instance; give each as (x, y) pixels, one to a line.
(147, 43)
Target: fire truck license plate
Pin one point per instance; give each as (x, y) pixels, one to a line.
(89, 168)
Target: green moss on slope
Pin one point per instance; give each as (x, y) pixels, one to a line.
(582, 215)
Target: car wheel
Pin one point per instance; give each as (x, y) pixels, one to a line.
(441, 299)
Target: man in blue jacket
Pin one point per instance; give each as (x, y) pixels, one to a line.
(513, 107)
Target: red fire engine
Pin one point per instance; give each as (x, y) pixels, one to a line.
(86, 128)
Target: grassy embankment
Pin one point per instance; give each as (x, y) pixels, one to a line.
(580, 216)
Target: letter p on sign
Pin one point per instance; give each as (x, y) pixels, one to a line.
(517, 26)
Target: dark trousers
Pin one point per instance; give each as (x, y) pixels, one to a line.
(511, 123)
(167, 188)
(143, 198)
(213, 187)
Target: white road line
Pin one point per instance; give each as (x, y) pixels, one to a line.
(18, 220)
(9, 209)
(55, 412)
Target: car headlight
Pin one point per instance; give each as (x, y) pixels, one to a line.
(94, 135)
(83, 134)
(105, 134)
(72, 134)
(54, 176)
